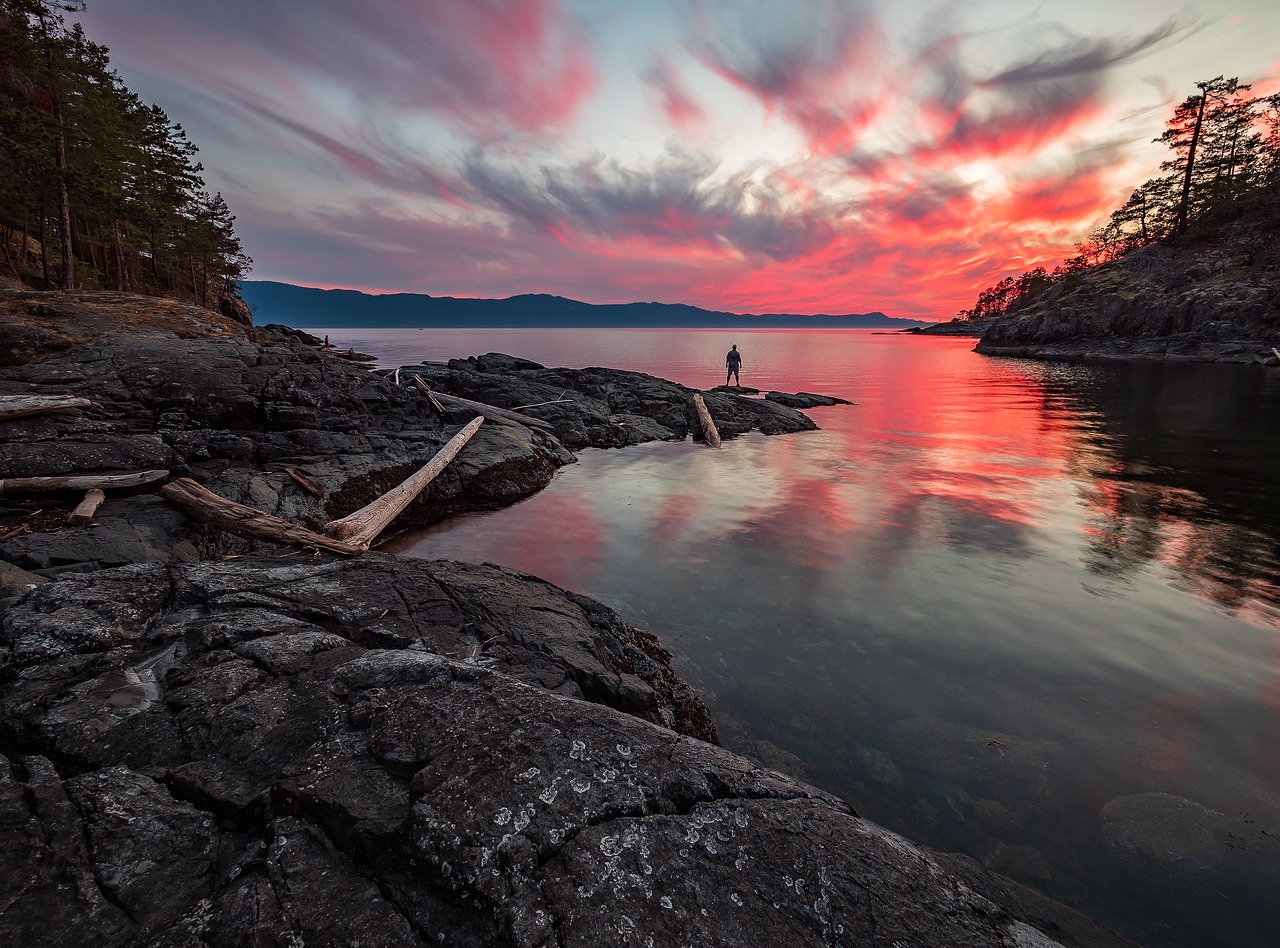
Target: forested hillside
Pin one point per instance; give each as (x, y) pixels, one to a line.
(1222, 175)
(98, 189)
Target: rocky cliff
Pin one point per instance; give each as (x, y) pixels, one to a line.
(1213, 296)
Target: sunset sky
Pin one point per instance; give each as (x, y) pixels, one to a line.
(830, 156)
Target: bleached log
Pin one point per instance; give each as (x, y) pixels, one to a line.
(709, 432)
(488, 411)
(1276, 351)
(216, 510)
(22, 485)
(429, 395)
(87, 508)
(362, 527)
(16, 406)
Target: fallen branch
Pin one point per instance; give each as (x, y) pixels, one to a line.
(305, 482)
(1276, 351)
(19, 485)
(87, 508)
(709, 432)
(362, 527)
(16, 406)
(430, 396)
(554, 401)
(213, 509)
(9, 535)
(488, 411)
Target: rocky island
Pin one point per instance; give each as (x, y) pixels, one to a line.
(213, 741)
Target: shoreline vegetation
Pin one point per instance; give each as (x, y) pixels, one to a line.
(1187, 269)
(237, 740)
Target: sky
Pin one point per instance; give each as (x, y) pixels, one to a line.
(830, 156)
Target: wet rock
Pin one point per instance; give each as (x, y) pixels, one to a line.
(387, 752)
(805, 399)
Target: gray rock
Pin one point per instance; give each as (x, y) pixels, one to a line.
(603, 408)
(805, 399)
(386, 752)
(1164, 833)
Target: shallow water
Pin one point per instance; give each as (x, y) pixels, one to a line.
(1027, 611)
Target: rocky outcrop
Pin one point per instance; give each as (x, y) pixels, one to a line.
(603, 408)
(386, 752)
(1215, 298)
(199, 748)
(805, 399)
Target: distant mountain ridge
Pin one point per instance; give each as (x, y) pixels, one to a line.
(304, 307)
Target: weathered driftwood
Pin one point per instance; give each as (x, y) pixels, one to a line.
(87, 508)
(305, 482)
(554, 401)
(362, 527)
(1276, 351)
(16, 406)
(213, 509)
(22, 485)
(709, 432)
(430, 396)
(488, 411)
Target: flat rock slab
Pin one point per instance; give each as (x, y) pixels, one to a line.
(388, 752)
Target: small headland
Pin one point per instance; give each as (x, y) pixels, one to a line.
(1210, 296)
(213, 740)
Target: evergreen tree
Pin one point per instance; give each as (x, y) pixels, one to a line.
(86, 164)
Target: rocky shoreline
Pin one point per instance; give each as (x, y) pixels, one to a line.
(213, 742)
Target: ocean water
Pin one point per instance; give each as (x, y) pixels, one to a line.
(1025, 611)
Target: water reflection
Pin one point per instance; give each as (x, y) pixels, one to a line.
(1026, 611)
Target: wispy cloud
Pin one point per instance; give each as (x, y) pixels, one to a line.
(850, 154)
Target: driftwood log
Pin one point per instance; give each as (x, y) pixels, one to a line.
(429, 395)
(1276, 351)
(488, 411)
(362, 527)
(305, 482)
(217, 511)
(710, 433)
(87, 508)
(16, 406)
(22, 485)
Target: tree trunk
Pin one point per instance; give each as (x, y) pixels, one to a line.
(1180, 225)
(64, 205)
(44, 244)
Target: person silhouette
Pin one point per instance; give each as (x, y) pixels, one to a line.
(734, 362)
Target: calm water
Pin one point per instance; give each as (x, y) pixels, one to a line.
(999, 605)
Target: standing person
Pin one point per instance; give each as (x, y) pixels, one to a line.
(734, 362)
